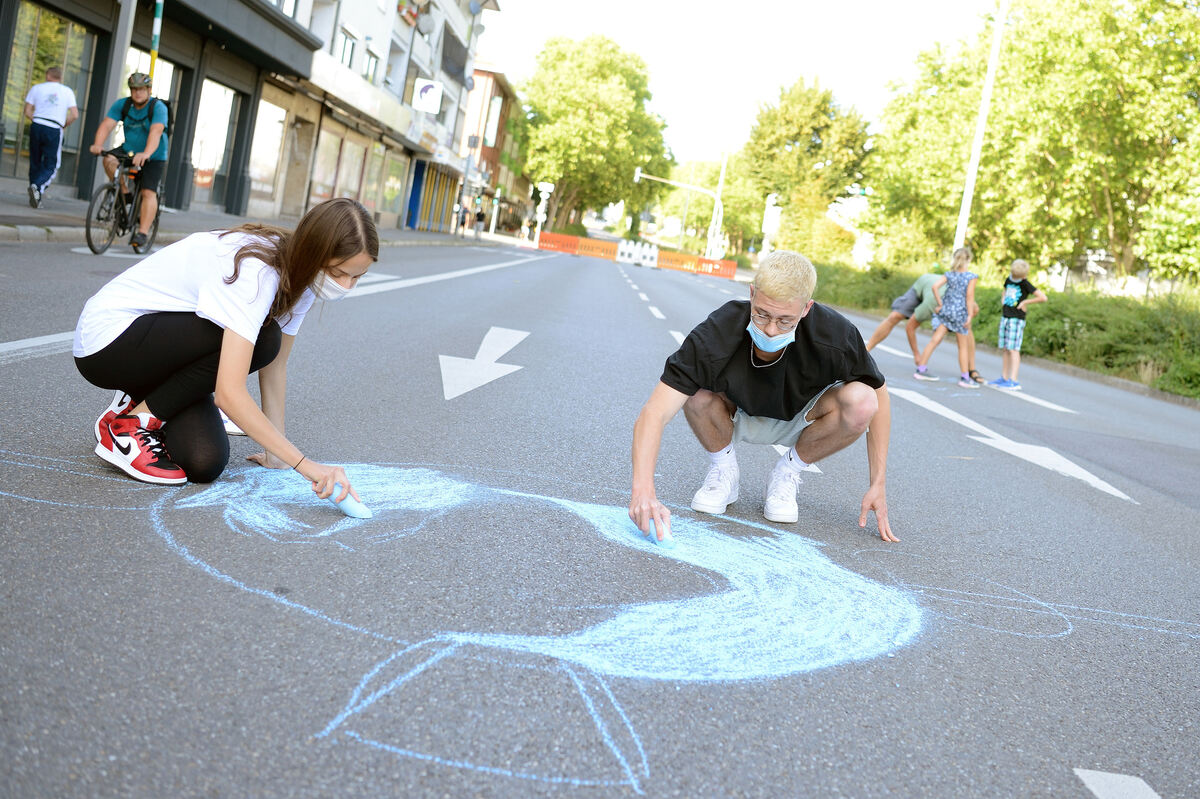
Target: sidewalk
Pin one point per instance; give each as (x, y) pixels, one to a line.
(62, 217)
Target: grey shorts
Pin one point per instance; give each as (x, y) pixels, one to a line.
(906, 303)
(764, 430)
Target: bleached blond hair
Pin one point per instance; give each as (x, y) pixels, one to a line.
(1020, 269)
(786, 276)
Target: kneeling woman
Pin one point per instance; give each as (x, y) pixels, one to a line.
(198, 317)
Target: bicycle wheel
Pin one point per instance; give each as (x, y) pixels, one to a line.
(102, 219)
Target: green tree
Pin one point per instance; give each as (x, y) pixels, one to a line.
(809, 151)
(589, 127)
(1095, 101)
(741, 199)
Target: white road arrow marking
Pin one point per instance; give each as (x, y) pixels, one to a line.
(1115, 786)
(1035, 454)
(460, 375)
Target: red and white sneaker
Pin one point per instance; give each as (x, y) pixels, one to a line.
(136, 448)
(121, 403)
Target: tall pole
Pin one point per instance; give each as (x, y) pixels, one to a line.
(121, 37)
(158, 9)
(985, 102)
(718, 216)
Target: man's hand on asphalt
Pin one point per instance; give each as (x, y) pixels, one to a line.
(644, 509)
(876, 500)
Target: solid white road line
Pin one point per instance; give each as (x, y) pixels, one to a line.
(893, 351)
(61, 342)
(1115, 786)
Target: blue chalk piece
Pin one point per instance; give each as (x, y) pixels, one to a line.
(349, 506)
(668, 541)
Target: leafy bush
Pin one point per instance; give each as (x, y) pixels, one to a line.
(1156, 343)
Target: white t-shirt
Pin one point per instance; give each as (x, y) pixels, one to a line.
(50, 102)
(188, 276)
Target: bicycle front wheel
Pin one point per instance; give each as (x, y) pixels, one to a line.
(102, 224)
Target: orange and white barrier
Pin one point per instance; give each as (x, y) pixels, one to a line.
(637, 252)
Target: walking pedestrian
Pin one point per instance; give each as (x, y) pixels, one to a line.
(50, 108)
(195, 319)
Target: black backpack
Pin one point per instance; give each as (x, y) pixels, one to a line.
(149, 111)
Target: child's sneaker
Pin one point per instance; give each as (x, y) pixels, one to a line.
(923, 375)
(121, 403)
(720, 489)
(1012, 385)
(135, 447)
(966, 382)
(780, 505)
(999, 382)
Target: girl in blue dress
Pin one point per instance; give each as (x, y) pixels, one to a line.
(955, 313)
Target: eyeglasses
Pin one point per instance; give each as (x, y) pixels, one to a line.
(784, 324)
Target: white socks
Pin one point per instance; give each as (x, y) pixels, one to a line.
(791, 461)
(725, 457)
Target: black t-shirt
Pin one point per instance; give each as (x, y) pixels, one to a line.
(1014, 292)
(717, 356)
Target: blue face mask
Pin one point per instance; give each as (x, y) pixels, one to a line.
(770, 343)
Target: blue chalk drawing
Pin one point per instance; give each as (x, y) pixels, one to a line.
(779, 606)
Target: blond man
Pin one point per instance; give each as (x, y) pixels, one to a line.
(777, 369)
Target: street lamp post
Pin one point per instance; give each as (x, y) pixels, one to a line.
(985, 102)
(714, 248)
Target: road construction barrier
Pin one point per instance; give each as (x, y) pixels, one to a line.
(642, 253)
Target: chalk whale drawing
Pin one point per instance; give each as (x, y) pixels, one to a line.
(784, 608)
(777, 607)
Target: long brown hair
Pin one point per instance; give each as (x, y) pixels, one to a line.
(329, 233)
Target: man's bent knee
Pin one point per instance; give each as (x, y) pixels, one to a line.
(858, 404)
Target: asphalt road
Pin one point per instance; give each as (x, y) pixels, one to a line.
(498, 630)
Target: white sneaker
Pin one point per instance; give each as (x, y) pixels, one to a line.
(719, 490)
(781, 496)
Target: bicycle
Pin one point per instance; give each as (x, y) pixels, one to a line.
(108, 216)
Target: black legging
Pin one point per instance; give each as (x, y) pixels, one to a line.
(170, 361)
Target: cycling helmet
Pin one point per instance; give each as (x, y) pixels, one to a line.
(139, 80)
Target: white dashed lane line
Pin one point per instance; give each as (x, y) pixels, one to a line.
(642, 294)
(675, 334)
(656, 312)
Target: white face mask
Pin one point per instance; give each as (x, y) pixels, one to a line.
(329, 289)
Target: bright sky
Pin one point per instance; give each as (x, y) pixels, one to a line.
(714, 64)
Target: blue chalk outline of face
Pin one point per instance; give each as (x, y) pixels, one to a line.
(786, 608)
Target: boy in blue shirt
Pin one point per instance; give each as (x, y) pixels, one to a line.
(1018, 294)
(145, 123)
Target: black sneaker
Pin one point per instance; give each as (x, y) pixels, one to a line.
(138, 241)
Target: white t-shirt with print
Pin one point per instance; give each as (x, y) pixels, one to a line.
(188, 276)
(50, 101)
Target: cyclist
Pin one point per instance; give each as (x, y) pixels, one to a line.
(145, 123)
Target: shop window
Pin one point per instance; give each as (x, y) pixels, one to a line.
(212, 143)
(395, 173)
(372, 178)
(265, 149)
(42, 39)
(324, 171)
(349, 179)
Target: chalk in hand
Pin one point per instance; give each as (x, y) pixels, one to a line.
(349, 506)
(667, 541)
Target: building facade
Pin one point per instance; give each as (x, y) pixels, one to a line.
(497, 182)
(276, 104)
